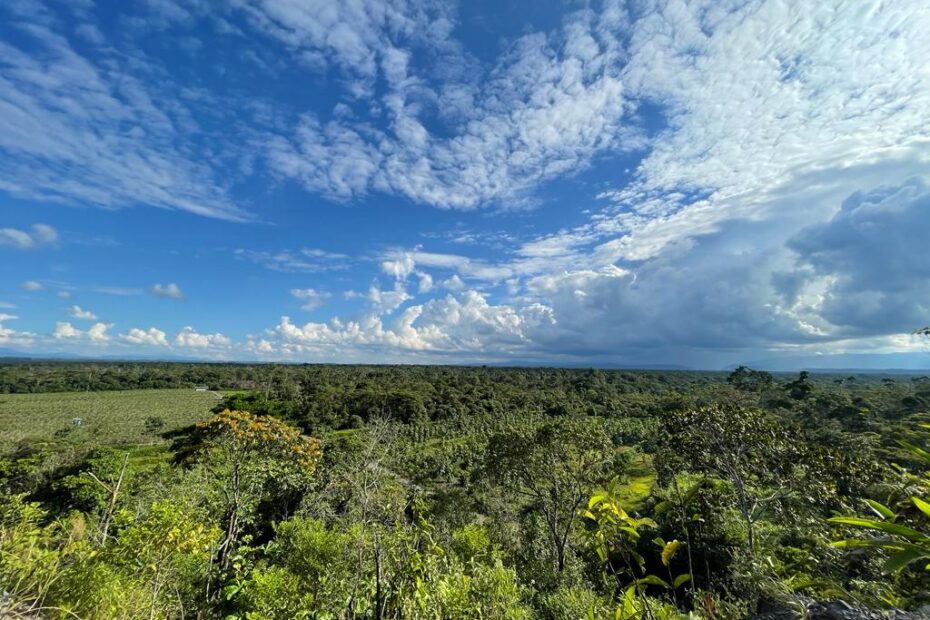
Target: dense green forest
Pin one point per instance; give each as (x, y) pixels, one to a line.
(450, 493)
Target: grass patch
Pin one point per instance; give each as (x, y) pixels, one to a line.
(638, 482)
(107, 417)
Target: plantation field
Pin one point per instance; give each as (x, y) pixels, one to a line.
(107, 417)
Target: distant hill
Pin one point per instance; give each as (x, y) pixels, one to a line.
(891, 363)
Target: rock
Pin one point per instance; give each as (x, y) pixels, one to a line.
(769, 609)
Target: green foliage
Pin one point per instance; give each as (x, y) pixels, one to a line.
(30, 556)
(456, 492)
(905, 535)
(314, 571)
(615, 536)
(555, 466)
(749, 380)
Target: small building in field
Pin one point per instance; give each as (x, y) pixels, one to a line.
(201, 388)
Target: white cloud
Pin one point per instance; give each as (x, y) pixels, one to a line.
(357, 39)
(16, 238)
(32, 285)
(261, 347)
(760, 97)
(306, 260)
(188, 337)
(466, 323)
(425, 284)
(41, 235)
(547, 107)
(119, 291)
(453, 283)
(64, 294)
(171, 291)
(7, 317)
(755, 122)
(111, 134)
(151, 336)
(387, 301)
(79, 313)
(97, 333)
(399, 268)
(311, 298)
(465, 266)
(12, 337)
(66, 331)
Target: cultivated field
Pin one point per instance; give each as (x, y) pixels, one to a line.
(107, 417)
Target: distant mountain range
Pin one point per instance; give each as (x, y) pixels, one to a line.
(851, 362)
(51, 356)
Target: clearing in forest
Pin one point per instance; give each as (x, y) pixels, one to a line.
(105, 417)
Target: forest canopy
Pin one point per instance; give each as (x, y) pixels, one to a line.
(314, 491)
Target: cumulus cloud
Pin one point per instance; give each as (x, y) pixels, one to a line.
(425, 284)
(32, 285)
(463, 323)
(865, 264)
(97, 333)
(453, 283)
(851, 283)
(12, 337)
(66, 331)
(311, 298)
(260, 346)
(170, 291)
(387, 301)
(152, 336)
(188, 337)
(79, 313)
(399, 268)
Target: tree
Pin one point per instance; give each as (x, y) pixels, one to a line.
(252, 456)
(98, 487)
(554, 466)
(800, 388)
(749, 380)
(742, 445)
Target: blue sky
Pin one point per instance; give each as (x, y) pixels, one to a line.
(649, 182)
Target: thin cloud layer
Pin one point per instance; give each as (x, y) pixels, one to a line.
(82, 123)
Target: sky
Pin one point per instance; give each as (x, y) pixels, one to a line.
(653, 182)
